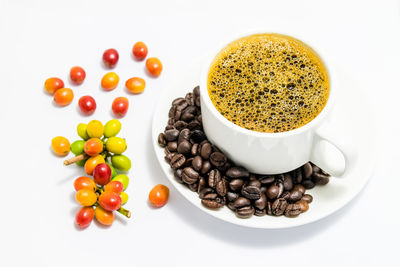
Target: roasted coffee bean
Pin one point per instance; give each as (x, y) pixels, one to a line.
(285, 195)
(300, 188)
(206, 167)
(315, 168)
(189, 99)
(298, 176)
(169, 127)
(267, 179)
(177, 161)
(252, 177)
(218, 159)
(178, 101)
(255, 183)
(180, 125)
(189, 175)
(171, 121)
(221, 187)
(171, 135)
(169, 156)
(281, 189)
(194, 125)
(172, 146)
(245, 212)
(197, 162)
(269, 208)
(287, 181)
(260, 213)
(237, 172)
(193, 187)
(263, 189)
(230, 206)
(308, 184)
(186, 116)
(202, 184)
(213, 178)
(224, 167)
(303, 205)
(196, 91)
(184, 147)
(251, 192)
(279, 178)
(171, 112)
(188, 163)
(292, 210)
(197, 136)
(235, 184)
(178, 175)
(213, 204)
(295, 195)
(195, 149)
(261, 203)
(241, 202)
(231, 196)
(273, 192)
(205, 191)
(200, 119)
(320, 179)
(161, 140)
(205, 150)
(307, 198)
(184, 135)
(181, 106)
(307, 169)
(279, 206)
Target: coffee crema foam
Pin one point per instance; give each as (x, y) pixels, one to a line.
(268, 83)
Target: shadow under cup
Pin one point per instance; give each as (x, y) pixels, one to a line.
(261, 152)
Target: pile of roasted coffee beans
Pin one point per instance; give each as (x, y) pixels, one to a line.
(204, 169)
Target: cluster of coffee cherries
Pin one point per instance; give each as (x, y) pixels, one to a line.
(101, 196)
(100, 153)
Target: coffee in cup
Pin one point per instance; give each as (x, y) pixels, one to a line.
(268, 83)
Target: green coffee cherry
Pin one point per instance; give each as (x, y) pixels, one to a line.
(124, 196)
(116, 145)
(81, 129)
(112, 128)
(77, 147)
(121, 162)
(113, 171)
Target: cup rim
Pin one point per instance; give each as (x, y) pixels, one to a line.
(207, 101)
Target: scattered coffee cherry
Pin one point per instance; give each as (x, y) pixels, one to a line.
(135, 85)
(120, 106)
(109, 81)
(84, 217)
(154, 66)
(159, 195)
(51, 85)
(87, 104)
(60, 145)
(110, 58)
(63, 96)
(77, 75)
(139, 51)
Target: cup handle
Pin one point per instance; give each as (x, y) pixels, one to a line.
(334, 137)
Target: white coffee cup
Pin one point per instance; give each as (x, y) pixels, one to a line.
(273, 153)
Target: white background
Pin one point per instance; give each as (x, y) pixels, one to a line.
(39, 39)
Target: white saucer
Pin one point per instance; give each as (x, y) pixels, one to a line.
(351, 113)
